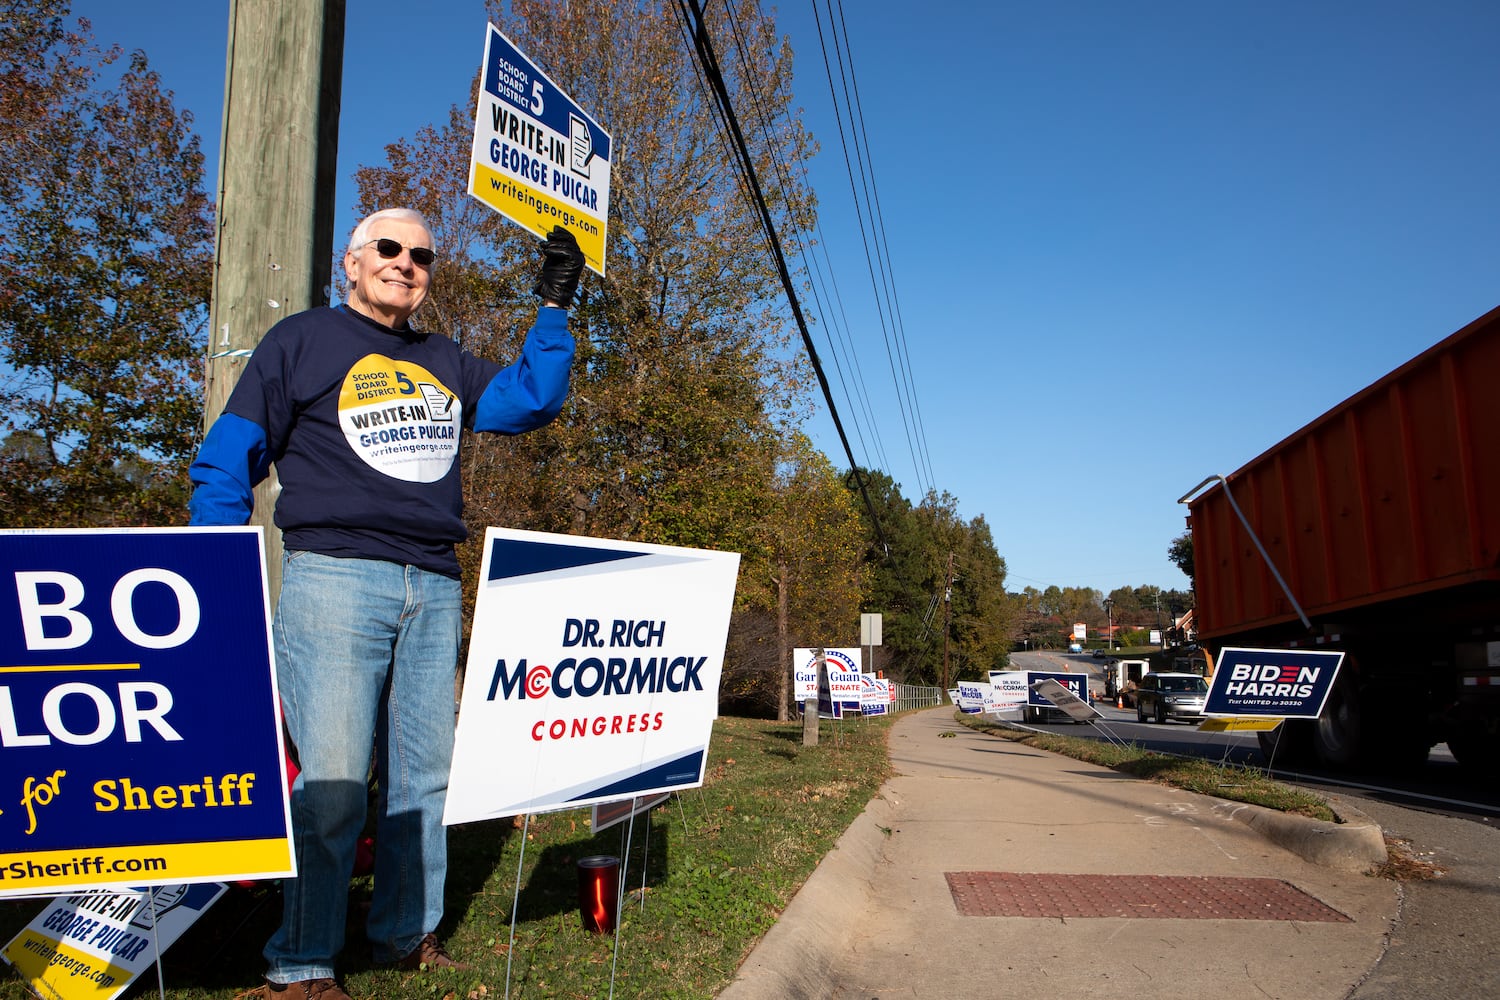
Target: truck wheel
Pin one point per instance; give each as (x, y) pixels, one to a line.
(1370, 727)
(1399, 716)
(1477, 750)
(1161, 713)
(1338, 735)
(1140, 711)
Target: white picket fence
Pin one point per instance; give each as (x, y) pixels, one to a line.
(910, 696)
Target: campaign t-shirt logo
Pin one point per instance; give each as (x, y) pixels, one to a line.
(400, 419)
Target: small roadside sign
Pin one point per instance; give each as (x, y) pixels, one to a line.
(593, 673)
(1077, 683)
(125, 655)
(1009, 687)
(608, 814)
(971, 697)
(1239, 724)
(1065, 700)
(841, 667)
(538, 158)
(1279, 683)
(805, 674)
(92, 945)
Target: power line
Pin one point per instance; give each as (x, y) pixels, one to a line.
(855, 157)
(808, 254)
(908, 377)
(703, 48)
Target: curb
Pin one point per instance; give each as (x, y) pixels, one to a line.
(791, 964)
(1355, 845)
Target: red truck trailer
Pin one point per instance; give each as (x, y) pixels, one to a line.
(1375, 529)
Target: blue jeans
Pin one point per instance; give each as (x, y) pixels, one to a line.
(366, 654)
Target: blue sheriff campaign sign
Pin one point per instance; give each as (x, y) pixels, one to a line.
(1280, 683)
(138, 717)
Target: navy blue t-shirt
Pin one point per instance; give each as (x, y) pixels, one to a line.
(364, 423)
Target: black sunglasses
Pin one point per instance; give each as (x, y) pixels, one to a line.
(390, 249)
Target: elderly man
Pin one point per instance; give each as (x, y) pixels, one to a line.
(363, 416)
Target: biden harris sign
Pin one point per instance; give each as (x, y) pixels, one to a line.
(593, 673)
(138, 721)
(1272, 683)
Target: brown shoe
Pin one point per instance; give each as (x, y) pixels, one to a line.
(306, 989)
(429, 954)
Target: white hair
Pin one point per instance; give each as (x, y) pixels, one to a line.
(361, 234)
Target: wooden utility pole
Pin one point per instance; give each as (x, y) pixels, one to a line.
(947, 616)
(810, 706)
(278, 153)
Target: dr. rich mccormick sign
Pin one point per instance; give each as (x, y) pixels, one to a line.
(593, 673)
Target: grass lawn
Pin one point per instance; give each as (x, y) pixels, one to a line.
(706, 877)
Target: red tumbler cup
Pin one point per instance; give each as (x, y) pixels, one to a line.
(599, 892)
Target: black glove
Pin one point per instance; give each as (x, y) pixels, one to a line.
(562, 263)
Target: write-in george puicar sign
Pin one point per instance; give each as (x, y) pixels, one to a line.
(538, 158)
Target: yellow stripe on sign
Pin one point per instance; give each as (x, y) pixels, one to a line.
(144, 864)
(1240, 724)
(56, 970)
(70, 668)
(539, 212)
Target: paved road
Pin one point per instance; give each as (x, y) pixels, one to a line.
(1446, 939)
(1440, 786)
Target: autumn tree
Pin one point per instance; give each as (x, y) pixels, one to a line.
(902, 587)
(687, 383)
(41, 63)
(962, 560)
(801, 577)
(1180, 553)
(104, 277)
(939, 572)
(1034, 627)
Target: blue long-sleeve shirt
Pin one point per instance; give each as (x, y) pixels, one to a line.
(364, 425)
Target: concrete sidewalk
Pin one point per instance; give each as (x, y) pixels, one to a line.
(976, 824)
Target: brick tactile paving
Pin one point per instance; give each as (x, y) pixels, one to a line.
(1181, 897)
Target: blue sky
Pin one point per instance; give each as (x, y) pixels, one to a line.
(1133, 244)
